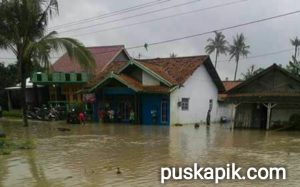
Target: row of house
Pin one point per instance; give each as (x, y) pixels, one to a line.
(167, 91)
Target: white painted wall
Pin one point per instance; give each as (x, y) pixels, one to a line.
(148, 80)
(225, 109)
(200, 88)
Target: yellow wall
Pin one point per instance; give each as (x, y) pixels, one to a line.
(69, 91)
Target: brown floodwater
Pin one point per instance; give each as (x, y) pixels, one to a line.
(90, 155)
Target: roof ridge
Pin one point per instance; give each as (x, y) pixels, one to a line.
(90, 47)
(193, 56)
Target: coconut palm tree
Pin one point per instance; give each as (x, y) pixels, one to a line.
(238, 49)
(23, 26)
(217, 45)
(296, 43)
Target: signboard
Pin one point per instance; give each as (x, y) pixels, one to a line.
(89, 98)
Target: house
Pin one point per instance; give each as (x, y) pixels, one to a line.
(225, 108)
(67, 77)
(266, 100)
(35, 95)
(159, 91)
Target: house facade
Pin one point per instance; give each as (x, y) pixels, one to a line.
(161, 91)
(267, 100)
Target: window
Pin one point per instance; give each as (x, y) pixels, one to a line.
(39, 77)
(79, 77)
(50, 77)
(67, 76)
(185, 103)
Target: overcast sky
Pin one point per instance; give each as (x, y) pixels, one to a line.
(263, 38)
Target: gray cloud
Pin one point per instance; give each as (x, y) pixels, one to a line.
(263, 37)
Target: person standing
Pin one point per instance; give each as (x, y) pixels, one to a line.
(81, 118)
(208, 118)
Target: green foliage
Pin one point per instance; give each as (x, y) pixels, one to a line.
(237, 49)
(294, 66)
(251, 71)
(12, 114)
(7, 145)
(23, 31)
(26, 144)
(218, 44)
(9, 77)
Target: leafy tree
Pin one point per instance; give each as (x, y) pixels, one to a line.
(23, 26)
(294, 64)
(9, 77)
(173, 55)
(237, 49)
(217, 45)
(296, 43)
(251, 71)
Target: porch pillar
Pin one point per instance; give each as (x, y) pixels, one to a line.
(234, 107)
(269, 107)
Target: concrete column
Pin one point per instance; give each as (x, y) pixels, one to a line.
(269, 107)
(234, 107)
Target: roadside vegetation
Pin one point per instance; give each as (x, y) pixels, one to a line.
(8, 145)
(15, 114)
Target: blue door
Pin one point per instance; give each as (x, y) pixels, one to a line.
(155, 109)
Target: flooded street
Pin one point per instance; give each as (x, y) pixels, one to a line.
(89, 155)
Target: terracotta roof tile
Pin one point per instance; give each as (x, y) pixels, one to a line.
(112, 67)
(140, 87)
(231, 84)
(175, 70)
(103, 55)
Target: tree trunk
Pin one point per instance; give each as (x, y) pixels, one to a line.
(216, 59)
(236, 67)
(23, 92)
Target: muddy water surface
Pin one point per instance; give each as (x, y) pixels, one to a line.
(89, 155)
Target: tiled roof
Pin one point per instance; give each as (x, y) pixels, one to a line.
(103, 55)
(112, 67)
(231, 84)
(175, 70)
(140, 87)
(134, 84)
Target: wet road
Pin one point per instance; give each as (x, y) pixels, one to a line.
(89, 155)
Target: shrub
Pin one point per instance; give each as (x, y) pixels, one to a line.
(295, 121)
(7, 145)
(13, 114)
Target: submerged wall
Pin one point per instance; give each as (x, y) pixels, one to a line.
(200, 89)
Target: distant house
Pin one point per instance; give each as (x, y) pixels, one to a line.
(266, 100)
(67, 77)
(35, 95)
(226, 108)
(159, 91)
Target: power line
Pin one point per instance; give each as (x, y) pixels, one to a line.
(249, 57)
(114, 13)
(265, 54)
(129, 17)
(162, 18)
(208, 32)
(221, 29)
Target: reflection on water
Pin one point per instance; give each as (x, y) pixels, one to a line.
(89, 155)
